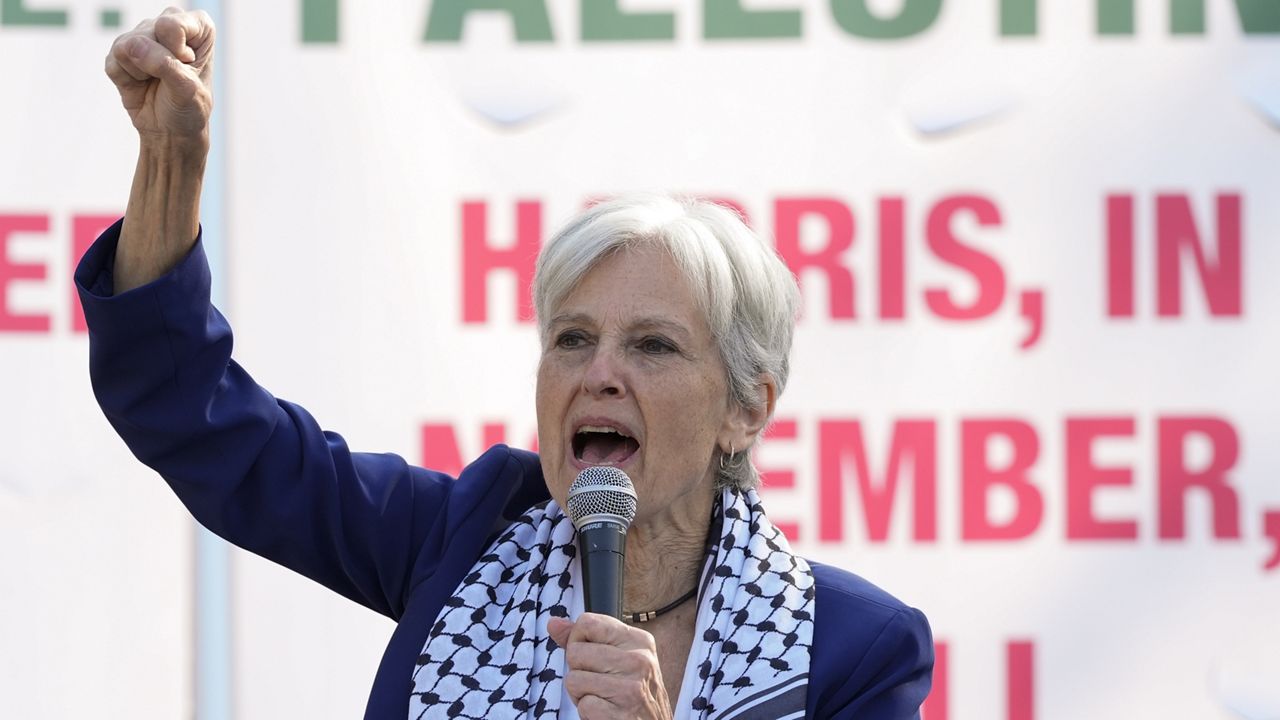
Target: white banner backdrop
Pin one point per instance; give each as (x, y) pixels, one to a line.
(1033, 387)
(96, 593)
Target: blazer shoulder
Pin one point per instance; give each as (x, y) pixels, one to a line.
(506, 480)
(851, 592)
(872, 654)
(521, 468)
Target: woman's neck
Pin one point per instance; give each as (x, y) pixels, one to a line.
(665, 554)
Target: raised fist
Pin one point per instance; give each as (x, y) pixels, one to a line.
(163, 69)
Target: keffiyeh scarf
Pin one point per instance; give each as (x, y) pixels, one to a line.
(488, 655)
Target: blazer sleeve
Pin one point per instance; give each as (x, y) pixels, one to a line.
(255, 470)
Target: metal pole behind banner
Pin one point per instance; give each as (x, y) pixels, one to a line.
(212, 681)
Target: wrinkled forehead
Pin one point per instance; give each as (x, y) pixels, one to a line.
(634, 287)
(638, 281)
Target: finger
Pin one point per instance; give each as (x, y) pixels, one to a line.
(188, 35)
(171, 33)
(115, 71)
(559, 628)
(593, 627)
(617, 691)
(584, 683)
(594, 707)
(156, 61)
(595, 657)
(121, 67)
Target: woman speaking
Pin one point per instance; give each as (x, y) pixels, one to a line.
(665, 329)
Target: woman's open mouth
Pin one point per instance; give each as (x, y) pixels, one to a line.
(601, 445)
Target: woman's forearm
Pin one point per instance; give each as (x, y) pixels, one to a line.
(163, 217)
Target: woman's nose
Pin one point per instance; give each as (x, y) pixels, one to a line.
(603, 375)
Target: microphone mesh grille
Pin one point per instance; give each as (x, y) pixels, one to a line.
(602, 491)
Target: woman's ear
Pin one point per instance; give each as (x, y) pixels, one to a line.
(744, 424)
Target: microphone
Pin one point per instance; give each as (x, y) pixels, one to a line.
(602, 504)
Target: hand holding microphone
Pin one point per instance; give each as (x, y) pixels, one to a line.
(611, 668)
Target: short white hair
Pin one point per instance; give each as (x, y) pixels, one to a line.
(747, 294)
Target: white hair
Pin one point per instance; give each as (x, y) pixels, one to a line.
(745, 291)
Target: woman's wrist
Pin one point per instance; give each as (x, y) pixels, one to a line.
(163, 217)
(171, 157)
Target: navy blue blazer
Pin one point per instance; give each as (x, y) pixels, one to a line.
(259, 472)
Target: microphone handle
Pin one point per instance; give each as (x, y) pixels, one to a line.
(603, 545)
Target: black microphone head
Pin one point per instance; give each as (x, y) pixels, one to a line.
(602, 493)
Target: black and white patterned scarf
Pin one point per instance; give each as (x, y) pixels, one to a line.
(488, 655)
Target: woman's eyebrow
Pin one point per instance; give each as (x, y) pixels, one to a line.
(653, 322)
(660, 323)
(571, 319)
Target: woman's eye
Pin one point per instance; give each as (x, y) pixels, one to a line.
(570, 340)
(655, 346)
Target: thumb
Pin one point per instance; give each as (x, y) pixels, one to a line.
(559, 628)
(157, 61)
